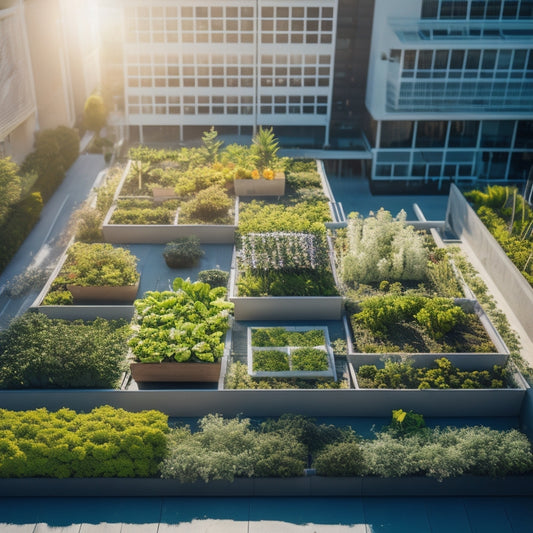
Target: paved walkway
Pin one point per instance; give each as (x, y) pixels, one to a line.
(49, 238)
(266, 515)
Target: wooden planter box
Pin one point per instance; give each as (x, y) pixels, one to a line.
(261, 186)
(176, 372)
(161, 194)
(126, 293)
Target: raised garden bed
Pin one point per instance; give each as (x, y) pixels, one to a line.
(261, 186)
(300, 361)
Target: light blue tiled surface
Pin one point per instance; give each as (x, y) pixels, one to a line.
(264, 515)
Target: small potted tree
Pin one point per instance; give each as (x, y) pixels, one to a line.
(183, 252)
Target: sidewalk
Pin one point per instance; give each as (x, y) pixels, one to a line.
(47, 241)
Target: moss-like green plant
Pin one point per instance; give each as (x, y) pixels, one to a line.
(183, 252)
(309, 359)
(270, 361)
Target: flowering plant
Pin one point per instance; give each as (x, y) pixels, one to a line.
(283, 251)
(268, 174)
(255, 174)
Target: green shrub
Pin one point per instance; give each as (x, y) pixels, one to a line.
(21, 219)
(383, 247)
(270, 361)
(40, 352)
(58, 298)
(187, 323)
(89, 225)
(99, 264)
(106, 442)
(341, 459)
(162, 215)
(209, 205)
(183, 252)
(214, 277)
(439, 316)
(309, 359)
(405, 423)
(397, 375)
(225, 449)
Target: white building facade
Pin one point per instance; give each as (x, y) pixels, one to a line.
(450, 90)
(239, 64)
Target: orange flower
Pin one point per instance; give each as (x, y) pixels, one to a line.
(255, 174)
(268, 174)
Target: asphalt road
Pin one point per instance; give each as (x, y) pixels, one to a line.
(48, 239)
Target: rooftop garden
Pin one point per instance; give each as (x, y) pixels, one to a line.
(509, 218)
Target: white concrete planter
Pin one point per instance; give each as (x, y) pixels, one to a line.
(126, 293)
(175, 372)
(162, 194)
(306, 374)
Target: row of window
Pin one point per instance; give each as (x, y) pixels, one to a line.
(457, 134)
(222, 105)
(440, 61)
(217, 24)
(477, 9)
(485, 165)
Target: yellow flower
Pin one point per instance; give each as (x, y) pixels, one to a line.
(255, 174)
(268, 174)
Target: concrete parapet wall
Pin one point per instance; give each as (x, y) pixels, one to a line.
(297, 486)
(465, 223)
(343, 402)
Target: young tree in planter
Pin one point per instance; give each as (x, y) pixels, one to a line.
(265, 147)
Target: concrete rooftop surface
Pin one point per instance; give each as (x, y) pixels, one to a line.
(265, 515)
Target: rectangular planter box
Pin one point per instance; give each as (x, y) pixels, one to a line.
(288, 307)
(260, 187)
(126, 293)
(176, 372)
(162, 194)
(330, 372)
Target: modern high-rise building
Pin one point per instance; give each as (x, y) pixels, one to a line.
(49, 64)
(416, 90)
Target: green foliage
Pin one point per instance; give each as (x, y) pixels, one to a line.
(229, 448)
(270, 361)
(10, 187)
(265, 148)
(283, 337)
(398, 375)
(94, 113)
(209, 205)
(185, 324)
(341, 459)
(210, 145)
(261, 217)
(183, 252)
(442, 275)
(99, 264)
(405, 423)
(68, 140)
(237, 377)
(40, 352)
(309, 359)
(383, 247)
(214, 277)
(277, 283)
(106, 442)
(58, 298)
(89, 225)
(143, 212)
(20, 221)
(439, 316)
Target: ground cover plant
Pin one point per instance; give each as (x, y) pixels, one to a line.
(105, 442)
(41, 352)
(132, 211)
(279, 336)
(270, 361)
(509, 218)
(309, 359)
(444, 375)
(237, 377)
(413, 323)
(186, 324)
